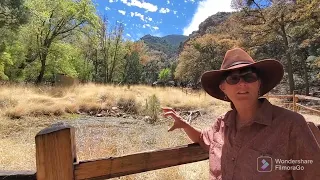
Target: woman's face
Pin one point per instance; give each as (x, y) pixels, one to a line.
(241, 86)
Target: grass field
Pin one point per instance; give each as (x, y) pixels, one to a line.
(26, 110)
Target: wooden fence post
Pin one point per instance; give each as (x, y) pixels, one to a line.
(55, 153)
(294, 101)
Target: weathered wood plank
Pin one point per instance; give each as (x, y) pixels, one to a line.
(55, 153)
(310, 109)
(140, 162)
(17, 175)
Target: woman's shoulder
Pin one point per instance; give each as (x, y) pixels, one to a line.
(289, 116)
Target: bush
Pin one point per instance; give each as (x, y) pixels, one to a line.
(128, 104)
(153, 107)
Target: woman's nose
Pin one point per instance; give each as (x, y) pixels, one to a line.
(242, 82)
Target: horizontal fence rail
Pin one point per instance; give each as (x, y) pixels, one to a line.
(295, 99)
(140, 162)
(17, 175)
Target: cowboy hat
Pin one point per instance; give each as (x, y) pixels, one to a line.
(270, 72)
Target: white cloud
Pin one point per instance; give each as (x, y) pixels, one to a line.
(175, 12)
(149, 18)
(168, 2)
(128, 35)
(155, 27)
(146, 25)
(141, 16)
(112, 1)
(164, 10)
(122, 12)
(143, 5)
(107, 8)
(192, 1)
(205, 9)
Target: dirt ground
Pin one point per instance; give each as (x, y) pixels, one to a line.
(102, 137)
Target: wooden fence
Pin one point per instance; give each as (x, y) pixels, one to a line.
(296, 106)
(56, 157)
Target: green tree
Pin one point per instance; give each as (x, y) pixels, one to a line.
(13, 14)
(135, 58)
(52, 21)
(201, 54)
(164, 75)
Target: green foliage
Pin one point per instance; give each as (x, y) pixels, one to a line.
(5, 58)
(164, 75)
(40, 38)
(153, 107)
(201, 54)
(12, 13)
(53, 21)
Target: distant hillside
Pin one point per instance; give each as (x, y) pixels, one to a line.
(168, 44)
(175, 40)
(208, 25)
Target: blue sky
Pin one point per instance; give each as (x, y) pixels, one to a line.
(160, 17)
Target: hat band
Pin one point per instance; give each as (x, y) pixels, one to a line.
(237, 63)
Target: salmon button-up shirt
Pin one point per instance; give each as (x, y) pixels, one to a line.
(276, 145)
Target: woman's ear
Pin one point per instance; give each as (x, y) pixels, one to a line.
(221, 86)
(259, 83)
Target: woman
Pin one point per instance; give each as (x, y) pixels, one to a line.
(253, 139)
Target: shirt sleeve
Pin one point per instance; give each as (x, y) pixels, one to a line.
(207, 135)
(304, 146)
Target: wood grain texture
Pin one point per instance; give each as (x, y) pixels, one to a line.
(140, 162)
(55, 153)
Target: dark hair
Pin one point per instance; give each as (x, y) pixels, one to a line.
(232, 105)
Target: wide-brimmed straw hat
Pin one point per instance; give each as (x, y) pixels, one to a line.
(270, 72)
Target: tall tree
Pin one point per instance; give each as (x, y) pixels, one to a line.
(269, 21)
(116, 55)
(55, 20)
(135, 59)
(201, 54)
(13, 14)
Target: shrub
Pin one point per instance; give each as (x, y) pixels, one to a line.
(128, 104)
(153, 107)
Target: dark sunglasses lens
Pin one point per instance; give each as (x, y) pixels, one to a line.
(233, 79)
(250, 78)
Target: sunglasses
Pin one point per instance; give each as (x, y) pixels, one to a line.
(235, 78)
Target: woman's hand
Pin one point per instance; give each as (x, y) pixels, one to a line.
(178, 121)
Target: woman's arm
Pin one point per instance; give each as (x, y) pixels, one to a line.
(304, 146)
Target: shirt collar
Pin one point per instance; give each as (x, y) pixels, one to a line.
(263, 116)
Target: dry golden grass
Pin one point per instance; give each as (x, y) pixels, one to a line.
(20, 101)
(22, 110)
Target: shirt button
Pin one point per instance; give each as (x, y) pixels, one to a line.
(233, 159)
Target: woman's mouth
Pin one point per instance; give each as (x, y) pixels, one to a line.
(243, 92)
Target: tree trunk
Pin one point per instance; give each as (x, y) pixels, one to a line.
(96, 67)
(43, 59)
(288, 58)
(114, 60)
(305, 72)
